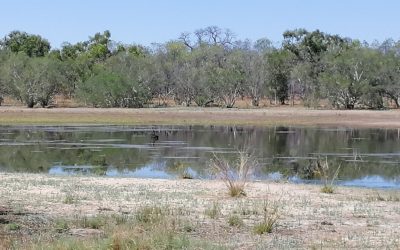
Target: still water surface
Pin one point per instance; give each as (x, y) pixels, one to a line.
(367, 157)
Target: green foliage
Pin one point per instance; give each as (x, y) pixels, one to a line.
(327, 189)
(270, 218)
(61, 225)
(119, 83)
(33, 80)
(235, 221)
(31, 45)
(205, 68)
(94, 222)
(13, 226)
(279, 66)
(108, 89)
(346, 78)
(70, 199)
(150, 215)
(308, 49)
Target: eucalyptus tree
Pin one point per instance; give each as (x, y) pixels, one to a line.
(81, 59)
(163, 64)
(202, 62)
(120, 82)
(387, 71)
(389, 77)
(211, 35)
(4, 88)
(308, 49)
(255, 75)
(31, 45)
(99, 46)
(349, 79)
(181, 72)
(226, 74)
(33, 80)
(279, 68)
(186, 80)
(72, 51)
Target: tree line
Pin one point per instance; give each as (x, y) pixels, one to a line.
(207, 67)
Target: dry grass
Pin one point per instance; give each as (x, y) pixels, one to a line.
(202, 116)
(171, 214)
(235, 174)
(324, 172)
(270, 218)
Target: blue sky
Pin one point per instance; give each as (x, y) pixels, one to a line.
(150, 21)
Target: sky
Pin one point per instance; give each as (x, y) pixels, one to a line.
(145, 22)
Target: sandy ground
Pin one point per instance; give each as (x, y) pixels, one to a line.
(203, 116)
(348, 218)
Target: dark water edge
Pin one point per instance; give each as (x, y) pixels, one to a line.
(367, 157)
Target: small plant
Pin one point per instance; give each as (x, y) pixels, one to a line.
(323, 172)
(270, 219)
(70, 199)
(183, 170)
(186, 175)
(100, 165)
(327, 189)
(99, 160)
(94, 222)
(61, 225)
(119, 219)
(149, 215)
(235, 221)
(235, 174)
(13, 226)
(188, 227)
(214, 211)
(99, 170)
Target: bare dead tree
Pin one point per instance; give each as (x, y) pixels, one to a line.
(185, 38)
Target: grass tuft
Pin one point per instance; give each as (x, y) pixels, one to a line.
(13, 226)
(235, 221)
(327, 189)
(61, 225)
(323, 170)
(235, 174)
(70, 199)
(95, 222)
(270, 219)
(186, 175)
(214, 211)
(149, 215)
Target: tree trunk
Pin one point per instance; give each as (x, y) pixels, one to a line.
(255, 102)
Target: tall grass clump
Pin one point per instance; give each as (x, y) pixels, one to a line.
(270, 218)
(235, 173)
(328, 179)
(214, 211)
(150, 215)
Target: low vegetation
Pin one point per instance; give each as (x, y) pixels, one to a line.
(235, 221)
(327, 177)
(270, 218)
(126, 213)
(235, 173)
(213, 211)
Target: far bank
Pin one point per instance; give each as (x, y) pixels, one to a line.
(282, 116)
